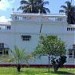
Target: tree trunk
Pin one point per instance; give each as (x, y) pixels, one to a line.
(55, 68)
(49, 63)
(18, 67)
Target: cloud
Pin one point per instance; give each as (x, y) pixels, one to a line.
(4, 19)
(11, 1)
(5, 4)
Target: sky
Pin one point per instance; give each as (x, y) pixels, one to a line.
(7, 6)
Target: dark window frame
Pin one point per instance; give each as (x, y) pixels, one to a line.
(70, 29)
(26, 37)
(1, 45)
(8, 27)
(3, 50)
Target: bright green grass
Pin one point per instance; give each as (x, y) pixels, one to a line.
(36, 71)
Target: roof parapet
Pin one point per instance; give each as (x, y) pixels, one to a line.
(16, 16)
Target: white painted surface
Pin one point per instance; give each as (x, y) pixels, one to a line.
(31, 27)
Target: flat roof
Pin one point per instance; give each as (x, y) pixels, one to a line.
(38, 14)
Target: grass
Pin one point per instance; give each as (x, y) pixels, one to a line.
(36, 71)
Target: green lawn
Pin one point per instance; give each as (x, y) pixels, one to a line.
(36, 71)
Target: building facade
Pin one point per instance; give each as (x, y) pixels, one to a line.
(25, 29)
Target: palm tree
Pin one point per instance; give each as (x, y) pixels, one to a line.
(69, 10)
(18, 56)
(33, 6)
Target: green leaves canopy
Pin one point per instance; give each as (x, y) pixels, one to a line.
(50, 45)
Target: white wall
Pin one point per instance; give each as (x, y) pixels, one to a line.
(13, 37)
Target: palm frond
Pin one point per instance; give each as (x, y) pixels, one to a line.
(47, 10)
(61, 11)
(24, 2)
(45, 2)
(20, 8)
(63, 6)
(23, 7)
(68, 2)
(73, 8)
(30, 6)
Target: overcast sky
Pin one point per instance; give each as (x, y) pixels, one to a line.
(6, 7)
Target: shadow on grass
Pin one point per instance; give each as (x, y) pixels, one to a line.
(62, 73)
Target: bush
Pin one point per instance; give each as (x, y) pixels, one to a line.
(57, 63)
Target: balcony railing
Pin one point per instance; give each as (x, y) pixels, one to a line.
(38, 17)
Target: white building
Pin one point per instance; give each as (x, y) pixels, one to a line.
(24, 31)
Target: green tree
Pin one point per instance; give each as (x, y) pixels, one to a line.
(33, 6)
(17, 56)
(69, 10)
(51, 47)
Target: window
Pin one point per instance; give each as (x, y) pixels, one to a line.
(73, 46)
(6, 51)
(8, 27)
(3, 51)
(1, 45)
(26, 37)
(70, 29)
(70, 53)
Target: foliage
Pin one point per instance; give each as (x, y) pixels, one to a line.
(70, 12)
(20, 56)
(33, 6)
(17, 56)
(58, 62)
(50, 46)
